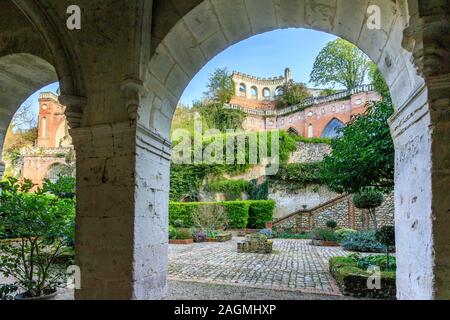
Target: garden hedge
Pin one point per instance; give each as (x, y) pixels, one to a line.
(260, 212)
(353, 280)
(241, 214)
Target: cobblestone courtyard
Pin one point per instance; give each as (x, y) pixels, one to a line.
(295, 265)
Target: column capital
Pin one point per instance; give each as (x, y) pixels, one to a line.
(74, 109)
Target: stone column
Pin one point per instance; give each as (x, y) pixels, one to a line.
(2, 169)
(122, 211)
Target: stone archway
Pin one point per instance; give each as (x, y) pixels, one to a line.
(214, 25)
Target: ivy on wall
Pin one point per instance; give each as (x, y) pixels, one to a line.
(298, 175)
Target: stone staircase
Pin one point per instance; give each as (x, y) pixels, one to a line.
(340, 209)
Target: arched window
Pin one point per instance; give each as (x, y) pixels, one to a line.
(243, 90)
(310, 131)
(44, 127)
(266, 94)
(332, 129)
(254, 92)
(279, 91)
(55, 170)
(292, 130)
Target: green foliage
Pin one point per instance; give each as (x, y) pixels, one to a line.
(386, 236)
(378, 81)
(344, 232)
(290, 235)
(385, 263)
(173, 232)
(7, 291)
(331, 224)
(220, 86)
(340, 63)
(232, 188)
(215, 116)
(363, 157)
(327, 92)
(313, 140)
(260, 212)
(258, 191)
(293, 93)
(45, 225)
(183, 234)
(298, 175)
(64, 187)
(324, 234)
(238, 213)
(362, 241)
(368, 199)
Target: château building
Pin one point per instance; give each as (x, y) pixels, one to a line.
(318, 116)
(53, 150)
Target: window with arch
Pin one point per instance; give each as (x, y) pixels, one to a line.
(254, 92)
(310, 131)
(56, 170)
(242, 90)
(279, 92)
(266, 93)
(332, 129)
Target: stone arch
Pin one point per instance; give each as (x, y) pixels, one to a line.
(254, 92)
(242, 89)
(279, 91)
(294, 131)
(266, 93)
(330, 130)
(212, 26)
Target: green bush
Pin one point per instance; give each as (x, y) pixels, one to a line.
(260, 212)
(182, 211)
(324, 234)
(362, 241)
(344, 232)
(232, 188)
(238, 213)
(368, 199)
(331, 224)
(183, 234)
(172, 232)
(378, 261)
(289, 235)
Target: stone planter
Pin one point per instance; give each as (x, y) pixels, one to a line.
(48, 296)
(185, 241)
(323, 243)
(221, 238)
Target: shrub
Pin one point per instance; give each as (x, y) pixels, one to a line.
(184, 234)
(7, 291)
(237, 213)
(331, 224)
(45, 225)
(324, 234)
(200, 236)
(382, 262)
(344, 232)
(369, 200)
(260, 212)
(232, 188)
(290, 235)
(172, 233)
(182, 211)
(386, 236)
(362, 241)
(258, 191)
(209, 216)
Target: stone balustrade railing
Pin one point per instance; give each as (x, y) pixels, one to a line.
(38, 151)
(48, 95)
(301, 106)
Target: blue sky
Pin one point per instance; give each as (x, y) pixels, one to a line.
(264, 55)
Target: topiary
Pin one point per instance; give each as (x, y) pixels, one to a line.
(370, 200)
(386, 236)
(331, 224)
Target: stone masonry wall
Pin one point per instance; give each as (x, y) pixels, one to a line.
(310, 152)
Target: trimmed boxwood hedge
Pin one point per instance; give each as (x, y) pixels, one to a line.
(260, 212)
(241, 214)
(352, 280)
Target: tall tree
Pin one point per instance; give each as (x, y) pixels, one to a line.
(363, 157)
(220, 87)
(378, 81)
(340, 63)
(293, 93)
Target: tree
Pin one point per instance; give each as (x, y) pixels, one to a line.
(363, 156)
(220, 87)
(217, 117)
(340, 63)
(369, 200)
(386, 236)
(378, 81)
(293, 93)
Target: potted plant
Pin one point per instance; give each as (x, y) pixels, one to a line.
(183, 236)
(43, 225)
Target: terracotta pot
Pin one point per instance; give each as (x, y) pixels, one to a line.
(23, 296)
(186, 241)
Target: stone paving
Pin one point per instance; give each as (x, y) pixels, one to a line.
(295, 265)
